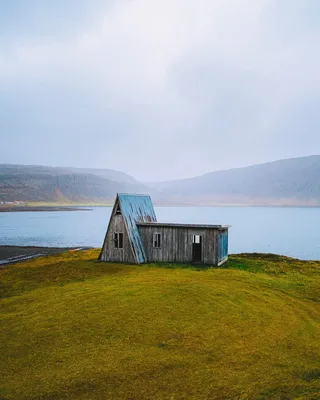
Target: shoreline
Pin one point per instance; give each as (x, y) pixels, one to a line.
(41, 208)
(89, 207)
(10, 254)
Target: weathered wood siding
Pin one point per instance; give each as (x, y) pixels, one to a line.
(222, 246)
(176, 244)
(109, 251)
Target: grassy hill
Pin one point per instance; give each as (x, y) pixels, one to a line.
(73, 328)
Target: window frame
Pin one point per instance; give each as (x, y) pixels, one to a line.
(157, 240)
(195, 237)
(118, 240)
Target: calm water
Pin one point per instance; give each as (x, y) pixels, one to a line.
(290, 231)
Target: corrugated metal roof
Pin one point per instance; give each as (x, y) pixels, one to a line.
(136, 208)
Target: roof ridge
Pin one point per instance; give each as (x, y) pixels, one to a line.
(134, 194)
(178, 224)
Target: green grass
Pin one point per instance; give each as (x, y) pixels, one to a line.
(73, 328)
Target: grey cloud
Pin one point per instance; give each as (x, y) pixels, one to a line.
(131, 92)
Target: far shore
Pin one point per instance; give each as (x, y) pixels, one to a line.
(14, 208)
(50, 206)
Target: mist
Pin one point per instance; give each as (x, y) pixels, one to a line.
(160, 90)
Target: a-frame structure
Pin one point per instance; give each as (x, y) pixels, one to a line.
(123, 242)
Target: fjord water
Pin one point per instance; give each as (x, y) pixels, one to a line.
(291, 231)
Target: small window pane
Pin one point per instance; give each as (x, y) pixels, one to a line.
(157, 240)
(120, 240)
(196, 239)
(116, 240)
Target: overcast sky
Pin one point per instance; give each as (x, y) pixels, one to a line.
(159, 89)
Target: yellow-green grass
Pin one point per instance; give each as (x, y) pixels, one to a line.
(73, 328)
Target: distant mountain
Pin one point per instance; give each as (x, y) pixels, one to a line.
(113, 175)
(286, 182)
(41, 183)
(116, 176)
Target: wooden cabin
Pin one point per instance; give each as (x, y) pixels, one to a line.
(135, 236)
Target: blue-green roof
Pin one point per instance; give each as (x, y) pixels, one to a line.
(136, 208)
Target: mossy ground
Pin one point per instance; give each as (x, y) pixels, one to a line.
(73, 328)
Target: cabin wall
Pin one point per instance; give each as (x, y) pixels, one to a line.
(176, 244)
(222, 246)
(109, 251)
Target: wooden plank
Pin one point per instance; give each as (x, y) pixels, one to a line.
(176, 244)
(110, 252)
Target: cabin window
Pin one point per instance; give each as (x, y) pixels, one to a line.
(118, 210)
(157, 240)
(118, 240)
(196, 239)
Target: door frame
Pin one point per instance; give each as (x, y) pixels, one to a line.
(200, 247)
